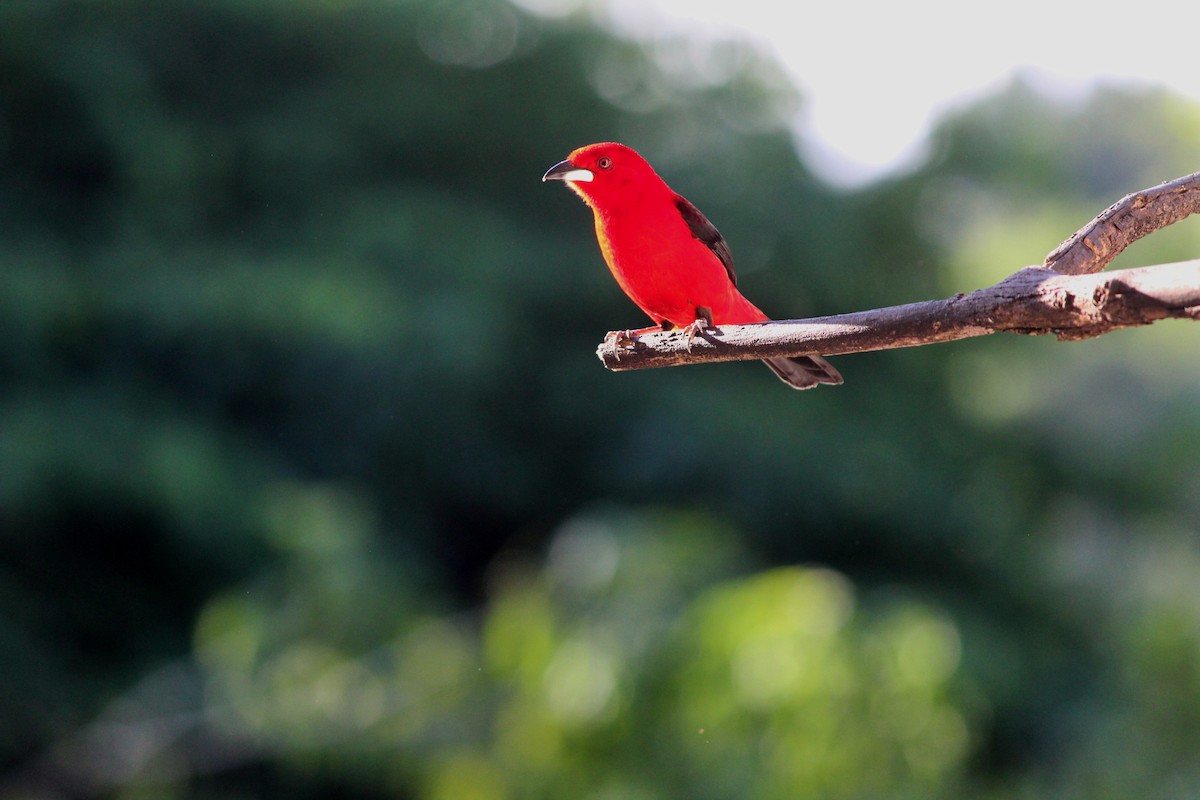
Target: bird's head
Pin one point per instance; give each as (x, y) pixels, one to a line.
(606, 175)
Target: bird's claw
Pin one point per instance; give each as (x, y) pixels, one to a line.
(621, 340)
(703, 322)
(627, 339)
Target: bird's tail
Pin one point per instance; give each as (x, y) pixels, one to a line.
(801, 372)
(804, 372)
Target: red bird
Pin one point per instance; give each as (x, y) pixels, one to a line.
(665, 254)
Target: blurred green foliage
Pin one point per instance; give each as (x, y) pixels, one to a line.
(310, 483)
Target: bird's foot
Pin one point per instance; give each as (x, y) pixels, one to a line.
(703, 322)
(627, 339)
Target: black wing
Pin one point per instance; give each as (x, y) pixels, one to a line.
(704, 230)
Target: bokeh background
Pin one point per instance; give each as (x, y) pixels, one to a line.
(311, 484)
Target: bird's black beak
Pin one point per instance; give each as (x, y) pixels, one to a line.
(566, 171)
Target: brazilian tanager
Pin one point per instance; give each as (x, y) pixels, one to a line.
(665, 254)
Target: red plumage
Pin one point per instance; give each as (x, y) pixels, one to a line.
(664, 253)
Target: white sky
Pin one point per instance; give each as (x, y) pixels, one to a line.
(875, 75)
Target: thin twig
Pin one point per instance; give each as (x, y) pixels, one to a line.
(1095, 245)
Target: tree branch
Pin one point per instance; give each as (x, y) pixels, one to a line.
(1035, 300)
(1095, 245)
(1064, 297)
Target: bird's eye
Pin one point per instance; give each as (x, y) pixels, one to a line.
(604, 162)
